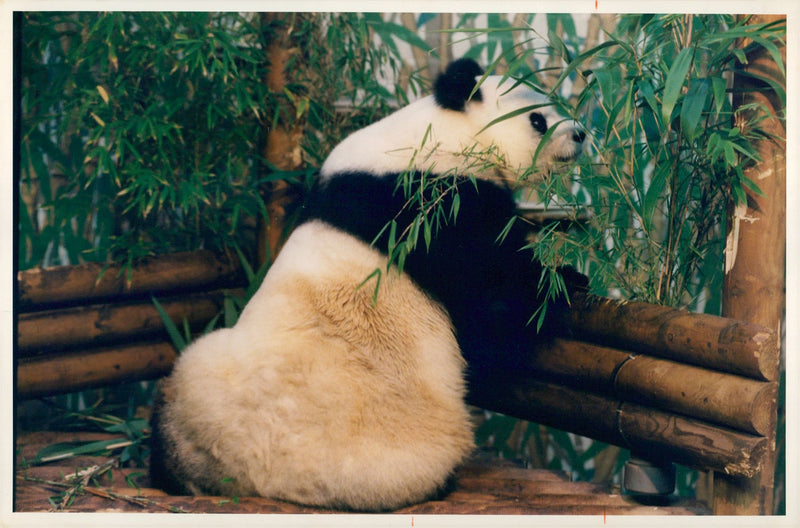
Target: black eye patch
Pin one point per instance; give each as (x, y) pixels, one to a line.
(538, 122)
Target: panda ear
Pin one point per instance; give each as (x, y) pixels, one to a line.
(453, 88)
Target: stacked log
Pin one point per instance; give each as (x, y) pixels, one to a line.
(94, 324)
(695, 389)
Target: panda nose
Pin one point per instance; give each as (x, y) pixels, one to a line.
(578, 136)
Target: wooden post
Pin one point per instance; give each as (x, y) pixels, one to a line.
(282, 144)
(754, 287)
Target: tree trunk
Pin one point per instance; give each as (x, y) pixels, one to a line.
(754, 287)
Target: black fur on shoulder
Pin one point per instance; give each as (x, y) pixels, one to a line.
(490, 289)
(453, 88)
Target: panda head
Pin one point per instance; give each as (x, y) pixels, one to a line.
(490, 128)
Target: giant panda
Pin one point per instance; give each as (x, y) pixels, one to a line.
(345, 388)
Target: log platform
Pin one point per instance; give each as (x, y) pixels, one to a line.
(485, 485)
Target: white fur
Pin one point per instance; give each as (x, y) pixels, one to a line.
(318, 397)
(458, 140)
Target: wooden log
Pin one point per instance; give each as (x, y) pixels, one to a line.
(91, 368)
(755, 279)
(83, 283)
(737, 402)
(687, 441)
(725, 399)
(93, 325)
(691, 442)
(705, 340)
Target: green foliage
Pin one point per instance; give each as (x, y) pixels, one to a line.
(139, 132)
(130, 448)
(667, 156)
(144, 133)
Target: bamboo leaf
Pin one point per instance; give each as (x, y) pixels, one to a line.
(64, 450)
(654, 193)
(719, 89)
(579, 60)
(750, 184)
(231, 314)
(175, 335)
(455, 206)
(692, 108)
(674, 82)
(378, 275)
(427, 232)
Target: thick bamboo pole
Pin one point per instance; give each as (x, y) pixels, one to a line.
(93, 325)
(178, 271)
(754, 288)
(92, 368)
(687, 441)
(705, 340)
(726, 399)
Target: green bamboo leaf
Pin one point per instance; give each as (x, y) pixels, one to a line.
(64, 450)
(42, 174)
(514, 113)
(776, 86)
(655, 190)
(230, 312)
(738, 192)
(674, 82)
(729, 154)
(692, 107)
(719, 91)
(753, 186)
(212, 323)
(771, 48)
(378, 274)
(607, 81)
(455, 207)
(177, 338)
(427, 232)
(392, 237)
(131, 428)
(579, 61)
(248, 270)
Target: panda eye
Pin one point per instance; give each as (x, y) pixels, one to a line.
(538, 122)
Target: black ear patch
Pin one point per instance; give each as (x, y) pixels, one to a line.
(452, 88)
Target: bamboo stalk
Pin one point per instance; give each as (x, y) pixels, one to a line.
(92, 368)
(81, 283)
(726, 399)
(687, 441)
(93, 325)
(705, 340)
